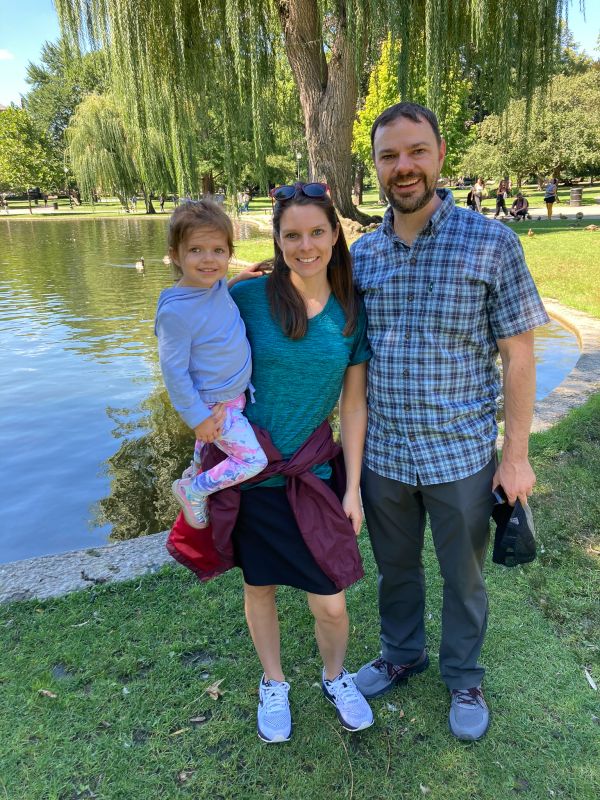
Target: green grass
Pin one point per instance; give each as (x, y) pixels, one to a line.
(129, 664)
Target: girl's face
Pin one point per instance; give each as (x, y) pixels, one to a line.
(203, 258)
(306, 239)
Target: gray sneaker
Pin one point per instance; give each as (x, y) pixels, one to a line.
(469, 716)
(274, 721)
(379, 676)
(353, 711)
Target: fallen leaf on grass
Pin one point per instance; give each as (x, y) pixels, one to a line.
(197, 720)
(46, 693)
(424, 789)
(590, 680)
(185, 775)
(178, 732)
(213, 690)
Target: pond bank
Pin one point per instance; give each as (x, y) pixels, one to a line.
(56, 575)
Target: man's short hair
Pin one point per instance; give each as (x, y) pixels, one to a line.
(412, 111)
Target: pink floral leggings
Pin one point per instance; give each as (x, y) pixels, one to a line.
(245, 457)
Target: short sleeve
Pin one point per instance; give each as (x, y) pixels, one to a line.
(361, 349)
(514, 304)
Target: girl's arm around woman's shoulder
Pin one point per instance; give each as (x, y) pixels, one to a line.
(353, 429)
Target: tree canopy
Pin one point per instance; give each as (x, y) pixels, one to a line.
(562, 136)
(173, 62)
(26, 158)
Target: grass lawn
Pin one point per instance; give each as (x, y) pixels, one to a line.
(128, 666)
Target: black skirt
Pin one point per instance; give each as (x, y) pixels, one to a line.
(269, 546)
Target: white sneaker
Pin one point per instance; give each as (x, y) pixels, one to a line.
(353, 711)
(274, 720)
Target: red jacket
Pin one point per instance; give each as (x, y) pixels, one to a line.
(326, 530)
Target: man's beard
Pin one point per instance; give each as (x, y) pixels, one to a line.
(410, 204)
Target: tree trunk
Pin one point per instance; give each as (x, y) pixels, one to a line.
(357, 191)
(208, 184)
(328, 94)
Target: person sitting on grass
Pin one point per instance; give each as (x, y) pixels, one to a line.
(520, 208)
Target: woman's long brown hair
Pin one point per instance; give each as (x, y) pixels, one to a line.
(286, 302)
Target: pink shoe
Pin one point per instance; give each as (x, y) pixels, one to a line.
(193, 504)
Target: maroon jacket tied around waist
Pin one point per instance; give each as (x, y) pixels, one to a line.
(326, 530)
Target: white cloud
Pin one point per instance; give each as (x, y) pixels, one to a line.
(6, 55)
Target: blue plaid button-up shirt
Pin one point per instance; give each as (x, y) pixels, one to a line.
(435, 312)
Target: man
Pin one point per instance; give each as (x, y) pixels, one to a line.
(520, 208)
(444, 290)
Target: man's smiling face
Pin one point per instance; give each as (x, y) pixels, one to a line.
(408, 160)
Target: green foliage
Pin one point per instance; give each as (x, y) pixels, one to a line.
(100, 150)
(173, 63)
(384, 91)
(26, 158)
(562, 135)
(59, 83)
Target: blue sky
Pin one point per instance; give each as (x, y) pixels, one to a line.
(26, 24)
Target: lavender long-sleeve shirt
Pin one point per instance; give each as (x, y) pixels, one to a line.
(202, 348)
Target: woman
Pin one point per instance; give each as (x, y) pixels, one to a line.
(550, 195)
(501, 195)
(478, 191)
(307, 331)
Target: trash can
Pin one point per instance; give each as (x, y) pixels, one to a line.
(55, 206)
(576, 193)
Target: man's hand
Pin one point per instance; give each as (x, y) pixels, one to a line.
(353, 509)
(516, 478)
(212, 427)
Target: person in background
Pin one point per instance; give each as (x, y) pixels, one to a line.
(520, 208)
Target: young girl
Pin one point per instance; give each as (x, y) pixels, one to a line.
(204, 355)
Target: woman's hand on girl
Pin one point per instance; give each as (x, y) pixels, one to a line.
(255, 271)
(353, 509)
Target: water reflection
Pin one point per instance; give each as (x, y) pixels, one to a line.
(86, 425)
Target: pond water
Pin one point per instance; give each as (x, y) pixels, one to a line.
(89, 443)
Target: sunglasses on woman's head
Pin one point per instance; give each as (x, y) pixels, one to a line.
(308, 189)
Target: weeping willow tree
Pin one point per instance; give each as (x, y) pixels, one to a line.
(103, 148)
(171, 60)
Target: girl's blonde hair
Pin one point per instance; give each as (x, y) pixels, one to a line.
(195, 214)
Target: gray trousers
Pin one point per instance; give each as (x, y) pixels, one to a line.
(459, 513)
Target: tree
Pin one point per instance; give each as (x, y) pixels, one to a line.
(384, 90)
(562, 134)
(58, 84)
(26, 158)
(219, 54)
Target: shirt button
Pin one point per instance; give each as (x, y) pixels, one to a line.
(411, 297)
(407, 407)
(405, 372)
(407, 335)
(413, 261)
(412, 438)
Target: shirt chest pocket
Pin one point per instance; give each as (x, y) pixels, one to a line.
(457, 308)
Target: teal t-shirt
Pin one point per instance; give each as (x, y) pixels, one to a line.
(297, 381)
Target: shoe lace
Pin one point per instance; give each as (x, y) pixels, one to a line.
(275, 697)
(392, 669)
(345, 690)
(468, 697)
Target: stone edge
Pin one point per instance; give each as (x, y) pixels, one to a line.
(56, 575)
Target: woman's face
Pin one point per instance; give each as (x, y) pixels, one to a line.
(306, 239)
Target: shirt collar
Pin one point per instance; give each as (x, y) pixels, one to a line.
(435, 223)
